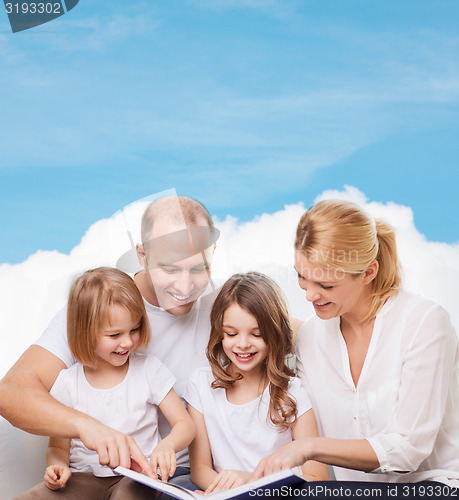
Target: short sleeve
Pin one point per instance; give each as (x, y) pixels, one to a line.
(159, 378)
(296, 390)
(64, 388)
(54, 338)
(192, 395)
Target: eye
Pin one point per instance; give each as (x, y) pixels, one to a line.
(169, 270)
(114, 335)
(326, 287)
(230, 334)
(135, 330)
(199, 270)
(257, 335)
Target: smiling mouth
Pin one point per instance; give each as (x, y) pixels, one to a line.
(316, 304)
(245, 356)
(122, 353)
(181, 297)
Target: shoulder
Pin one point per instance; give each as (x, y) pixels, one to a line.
(313, 330)
(295, 388)
(54, 338)
(67, 380)
(299, 394)
(202, 375)
(198, 390)
(414, 311)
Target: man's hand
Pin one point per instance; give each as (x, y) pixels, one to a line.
(113, 447)
(163, 456)
(56, 476)
(228, 479)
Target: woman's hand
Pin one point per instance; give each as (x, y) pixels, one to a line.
(228, 479)
(56, 476)
(286, 457)
(163, 457)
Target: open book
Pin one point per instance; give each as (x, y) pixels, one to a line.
(280, 481)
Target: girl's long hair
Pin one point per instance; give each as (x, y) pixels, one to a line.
(262, 298)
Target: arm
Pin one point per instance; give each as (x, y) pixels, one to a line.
(202, 473)
(180, 436)
(57, 457)
(304, 427)
(27, 404)
(351, 453)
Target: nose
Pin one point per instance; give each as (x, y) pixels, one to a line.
(126, 341)
(243, 341)
(184, 283)
(312, 294)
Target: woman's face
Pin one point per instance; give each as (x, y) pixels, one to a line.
(332, 292)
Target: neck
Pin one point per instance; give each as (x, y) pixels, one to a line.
(105, 375)
(357, 317)
(255, 378)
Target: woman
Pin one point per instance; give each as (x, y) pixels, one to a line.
(380, 364)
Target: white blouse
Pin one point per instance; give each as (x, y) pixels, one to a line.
(406, 402)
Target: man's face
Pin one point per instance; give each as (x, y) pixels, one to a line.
(176, 282)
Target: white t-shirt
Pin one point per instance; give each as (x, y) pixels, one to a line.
(130, 407)
(177, 341)
(239, 435)
(406, 402)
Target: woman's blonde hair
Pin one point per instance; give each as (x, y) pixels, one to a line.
(90, 298)
(340, 235)
(261, 297)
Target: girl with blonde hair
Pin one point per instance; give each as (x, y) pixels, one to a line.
(107, 326)
(247, 403)
(380, 364)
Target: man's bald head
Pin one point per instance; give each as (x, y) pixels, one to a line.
(177, 210)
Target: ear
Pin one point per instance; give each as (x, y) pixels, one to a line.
(371, 272)
(141, 256)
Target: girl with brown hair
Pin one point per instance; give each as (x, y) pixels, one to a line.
(247, 403)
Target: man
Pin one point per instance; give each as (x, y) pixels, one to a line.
(178, 241)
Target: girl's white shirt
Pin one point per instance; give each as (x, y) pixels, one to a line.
(130, 407)
(239, 435)
(406, 402)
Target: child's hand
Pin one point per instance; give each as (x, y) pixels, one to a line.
(56, 476)
(228, 479)
(163, 456)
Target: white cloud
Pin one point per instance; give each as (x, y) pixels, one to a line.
(31, 292)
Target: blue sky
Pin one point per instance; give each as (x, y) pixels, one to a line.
(244, 104)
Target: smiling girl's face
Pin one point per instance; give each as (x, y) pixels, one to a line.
(118, 337)
(332, 292)
(242, 341)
